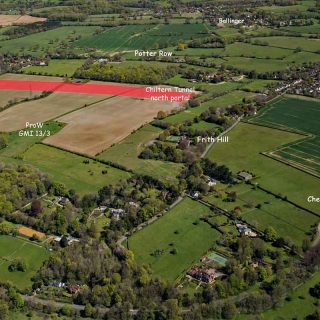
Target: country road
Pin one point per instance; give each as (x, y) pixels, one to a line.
(220, 135)
(73, 306)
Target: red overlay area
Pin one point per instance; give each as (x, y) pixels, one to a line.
(92, 88)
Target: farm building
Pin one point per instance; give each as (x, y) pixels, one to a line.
(244, 176)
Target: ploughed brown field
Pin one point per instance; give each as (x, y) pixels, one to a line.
(93, 129)
(10, 19)
(41, 110)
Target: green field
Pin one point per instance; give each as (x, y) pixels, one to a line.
(68, 168)
(258, 65)
(59, 67)
(292, 42)
(302, 115)
(249, 50)
(222, 101)
(243, 152)
(126, 153)
(141, 37)
(258, 85)
(17, 145)
(288, 221)
(12, 248)
(179, 232)
(47, 41)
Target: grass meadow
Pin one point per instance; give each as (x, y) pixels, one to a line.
(70, 169)
(12, 248)
(180, 229)
(58, 67)
(126, 153)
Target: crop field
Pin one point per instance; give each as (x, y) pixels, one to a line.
(244, 152)
(40, 43)
(44, 109)
(93, 129)
(12, 248)
(126, 153)
(71, 170)
(59, 67)
(14, 96)
(302, 115)
(180, 229)
(249, 50)
(292, 42)
(132, 37)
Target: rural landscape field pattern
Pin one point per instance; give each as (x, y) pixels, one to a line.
(159, 159)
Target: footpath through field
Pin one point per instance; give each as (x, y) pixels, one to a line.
(94, 88)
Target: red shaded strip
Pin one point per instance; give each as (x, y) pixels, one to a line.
(92, 88)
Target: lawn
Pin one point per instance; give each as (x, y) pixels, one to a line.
(59, 67)
(12, 248)
(243, 152)
(70, 169)
(301, 115)
(178, 231)
(126, 153)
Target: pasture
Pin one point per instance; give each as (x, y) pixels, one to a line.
(257, 65)
(141, 37)
(12, 248)
(297, 114)
(180, 229)
(244, 152)
(292, 43)
(71, 169)
(126, 153)
(239, 49)
(59, 67)
(258, 85)
(93, 129)
(262, 210)
(19, 144)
